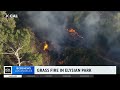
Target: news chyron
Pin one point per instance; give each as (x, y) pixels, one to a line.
(57, 71)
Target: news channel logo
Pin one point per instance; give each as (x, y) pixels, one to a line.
(7, 69)
(19, 70)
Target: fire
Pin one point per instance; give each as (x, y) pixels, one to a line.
(45, 46)
(74, 33)
(61, 62)
(71, 30)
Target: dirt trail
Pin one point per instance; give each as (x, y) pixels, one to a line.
(109, 60)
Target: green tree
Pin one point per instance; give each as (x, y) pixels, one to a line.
(7, 26)
(17, 43)
(36, 59)
(14, 43)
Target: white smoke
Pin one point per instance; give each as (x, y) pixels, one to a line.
(92, 19)
(91, 23)
(50, 24)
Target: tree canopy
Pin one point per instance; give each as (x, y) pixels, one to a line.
(12, 39)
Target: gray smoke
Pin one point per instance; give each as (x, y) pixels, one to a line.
(92, 19)
(50, 25)
(91, 27)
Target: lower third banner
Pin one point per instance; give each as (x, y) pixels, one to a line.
(20, 70)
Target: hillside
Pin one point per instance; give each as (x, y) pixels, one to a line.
(60, 38)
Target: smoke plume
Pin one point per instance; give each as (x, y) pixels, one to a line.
(91, 22)
(50, 25)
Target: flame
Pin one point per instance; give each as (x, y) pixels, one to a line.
(71, 30)
(45, 46)
(61, 62)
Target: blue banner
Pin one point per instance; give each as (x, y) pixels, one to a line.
(17, 70)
